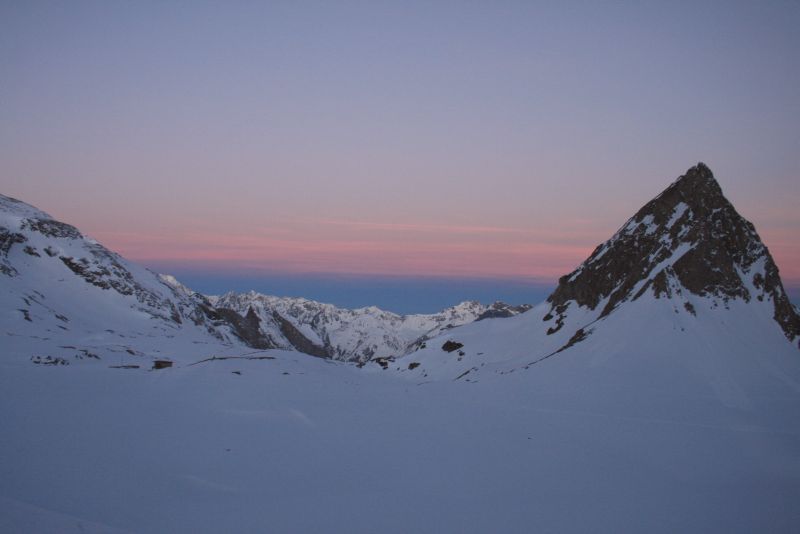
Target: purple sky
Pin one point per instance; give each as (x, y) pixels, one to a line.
(475, 139)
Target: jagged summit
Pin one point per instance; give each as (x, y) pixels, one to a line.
(698, 190)
(698, 181)
(689, 239)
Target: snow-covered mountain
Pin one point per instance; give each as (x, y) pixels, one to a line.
(687, 271)
(65, 296)
(359, 335)
(689, 241)
(687, 255)
(656, 390)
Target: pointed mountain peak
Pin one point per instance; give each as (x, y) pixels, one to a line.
(697, 189)
(697, 185)
(689, 240)
(699, 175)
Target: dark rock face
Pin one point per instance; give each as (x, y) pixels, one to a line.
(247, 328)
(7, 240)
(100, 275)
(501, 310)
(690, 237)
(383, 362)
(450, 346)
(52, 228)
(49, 360)
(297, 339)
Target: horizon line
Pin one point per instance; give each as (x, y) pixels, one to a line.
(169, 266)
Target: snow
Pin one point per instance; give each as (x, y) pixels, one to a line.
(17, 516)
(578, 271)
(659, 420)
(354, 334)
(69, 314)
(680, 209)
(173, 282)
(13, 211)
(642, 427)
(650, 226)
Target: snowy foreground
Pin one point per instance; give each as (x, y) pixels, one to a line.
(580, 442)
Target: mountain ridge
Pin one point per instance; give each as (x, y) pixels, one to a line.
(358, 334)
(689, 237)
(40, 257)
(687, 243)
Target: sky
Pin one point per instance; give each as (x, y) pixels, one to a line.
(482, 142)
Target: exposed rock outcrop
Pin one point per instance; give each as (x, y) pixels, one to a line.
(689, 238)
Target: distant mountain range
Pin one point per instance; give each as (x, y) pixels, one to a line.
(687, 252)
(67, 295)
(351, 335)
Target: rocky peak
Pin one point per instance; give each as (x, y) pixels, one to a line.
(688, 238)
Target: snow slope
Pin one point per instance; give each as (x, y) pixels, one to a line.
(67, 298)
(621, 442)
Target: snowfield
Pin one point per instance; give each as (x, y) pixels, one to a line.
(602, 441)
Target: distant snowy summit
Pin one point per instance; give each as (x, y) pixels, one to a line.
(359, 335)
